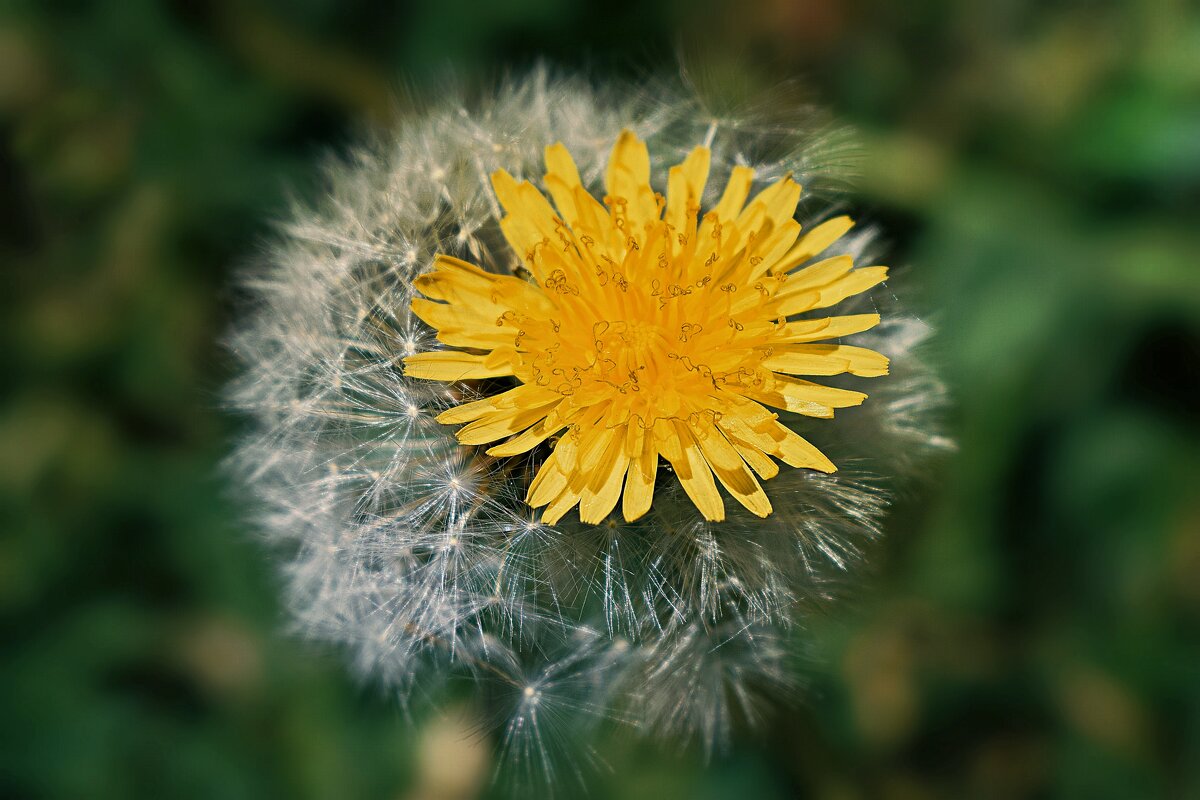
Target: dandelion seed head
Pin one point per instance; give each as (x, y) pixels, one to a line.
(420, 556)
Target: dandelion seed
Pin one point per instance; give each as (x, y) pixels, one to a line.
(638, 334)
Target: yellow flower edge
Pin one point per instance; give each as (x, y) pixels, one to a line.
(648, 330)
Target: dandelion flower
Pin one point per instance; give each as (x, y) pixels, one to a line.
(434, 351)
(649, 329)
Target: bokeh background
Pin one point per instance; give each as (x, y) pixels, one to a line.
(1032, 628)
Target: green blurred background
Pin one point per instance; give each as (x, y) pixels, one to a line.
(1033, 627)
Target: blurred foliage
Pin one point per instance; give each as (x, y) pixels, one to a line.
(1032, 628)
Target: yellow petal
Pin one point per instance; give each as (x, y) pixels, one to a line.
(522, 199)
(562, 177)
(812, 330)
(795, 451)
(531, 221)
(476, 338)
(768, 249)
(567, 451)
(559, 506)
(452, 365)
(459, 326)
(628, 178)
(776, 397)
(814, 242)
(685, 188)
(635, 437)
(499, 424)
(799, 363)
(817, 275)
(777, 203)
(524, 442)
(480, 293)
(548, 484)
(692, 470)
(736, 192)
(855, 283)
(796, 303)
(740, 431)
(468, 412)
(815, 392)
(827, 359)
(757, 459)
(731, 471)
(594, 446)
(639, 481)
(628, 164)
(604, 241)
(600, 495)
(448, 266)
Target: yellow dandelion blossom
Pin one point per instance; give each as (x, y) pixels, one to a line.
(649, 330)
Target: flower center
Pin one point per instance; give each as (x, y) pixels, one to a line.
(626, 348)
(645, 363)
